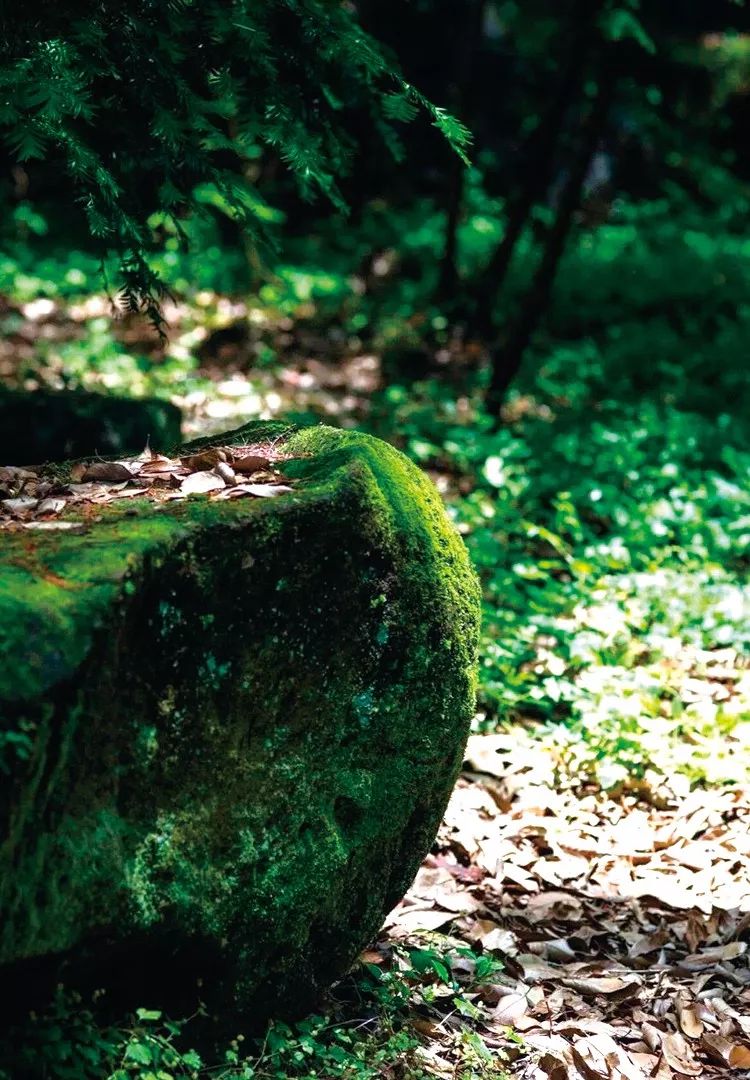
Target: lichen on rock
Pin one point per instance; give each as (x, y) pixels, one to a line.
(233, 727)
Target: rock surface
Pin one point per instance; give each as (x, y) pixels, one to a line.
(231, 728)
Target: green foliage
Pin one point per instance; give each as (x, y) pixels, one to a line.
(199, 112)
(364, 1034)
(612, 546)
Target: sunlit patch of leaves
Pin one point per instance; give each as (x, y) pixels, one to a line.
(39, 498)
(612, 926)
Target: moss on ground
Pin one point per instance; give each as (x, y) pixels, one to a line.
(229, 729)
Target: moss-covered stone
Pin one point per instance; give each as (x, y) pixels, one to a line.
(43, 425)
(233, 726)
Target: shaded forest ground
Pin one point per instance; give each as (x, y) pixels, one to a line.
(585, 911)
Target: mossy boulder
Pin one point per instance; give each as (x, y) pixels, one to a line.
(44, 425)
(229, 728)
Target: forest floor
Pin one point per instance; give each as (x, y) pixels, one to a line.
(621, 923)
(585, 911)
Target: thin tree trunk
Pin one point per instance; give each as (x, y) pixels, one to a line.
(507, 356)
(539, 156)
(448, 280)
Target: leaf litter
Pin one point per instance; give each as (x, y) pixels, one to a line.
(35, 498)
(621, 922)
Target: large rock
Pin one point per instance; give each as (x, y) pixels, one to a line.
(45, 425)
(230, 728)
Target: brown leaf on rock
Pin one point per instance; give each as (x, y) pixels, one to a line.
(204, 459)
(201, 483)
(248, 464)
(105, 470)
(263, 491)
(51, 506)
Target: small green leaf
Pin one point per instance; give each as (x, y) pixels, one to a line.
(620, 25)
(148, 1014)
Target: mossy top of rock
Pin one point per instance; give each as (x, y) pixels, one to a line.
(233, 723)
(56, 589)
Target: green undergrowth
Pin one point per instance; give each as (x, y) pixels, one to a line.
(612, 540)
(375, 1020)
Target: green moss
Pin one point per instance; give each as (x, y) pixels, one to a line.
(239, 722)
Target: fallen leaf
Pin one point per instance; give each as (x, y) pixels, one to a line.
(226, 472)
(709, 957)
(599, 1055)
(604, 985)
(204, 460)
(689, 1021)
(157, 466)
(727, 1051)
(510, 1008)
(105, 470)
(409, 920)
(200, 483)
(249, 463)
(53, 526)
(678, 1054)
(51, 506)
(262, 491)
(20, 505)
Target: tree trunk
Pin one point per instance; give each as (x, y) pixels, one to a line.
(539, 158)
(508, 354)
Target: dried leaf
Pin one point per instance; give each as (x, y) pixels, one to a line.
(689, 1021)
(709, 957)
(226, 472)
(678, 1054)
(410, 920)
(262, 491)
(159, 465)
(105, 470)
(51, 506)
(204, 460)
(727, 1051)
(600, 1056)
(200, 483)
(55, 526)
(248, 463)
(21, 505)
(511, 1008)
(605, 985)
(14, 474)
